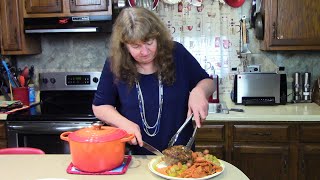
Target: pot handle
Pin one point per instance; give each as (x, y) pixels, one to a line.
(128, 138)
(64, 136)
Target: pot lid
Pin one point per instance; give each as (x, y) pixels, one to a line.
(234, 3)
(98, 134)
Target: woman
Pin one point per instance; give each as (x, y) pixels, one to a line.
(149, 83)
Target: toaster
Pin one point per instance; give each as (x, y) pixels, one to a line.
(252, 88)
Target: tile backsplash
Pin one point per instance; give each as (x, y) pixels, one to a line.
(210, 32)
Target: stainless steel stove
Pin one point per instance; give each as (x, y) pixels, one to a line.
(65, 105)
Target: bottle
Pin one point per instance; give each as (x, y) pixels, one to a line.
(32, 94)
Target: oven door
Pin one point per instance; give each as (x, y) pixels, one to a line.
(44, 135)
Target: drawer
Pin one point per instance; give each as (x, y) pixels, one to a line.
(274, 133)
(309, 133)
(2, 131)
(211, 133)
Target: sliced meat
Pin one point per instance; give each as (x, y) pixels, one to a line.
(175, 154)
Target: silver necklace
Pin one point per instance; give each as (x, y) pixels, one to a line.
(146, 127)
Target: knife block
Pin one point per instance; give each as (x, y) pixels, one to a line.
(316, 92)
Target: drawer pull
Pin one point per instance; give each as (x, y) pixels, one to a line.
(262, 134)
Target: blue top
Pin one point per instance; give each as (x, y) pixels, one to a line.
(175, 99)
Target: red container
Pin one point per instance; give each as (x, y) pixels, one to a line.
(214, 98)
(22, 94)
(97, 148)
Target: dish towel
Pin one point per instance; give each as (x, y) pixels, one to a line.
(119, 170)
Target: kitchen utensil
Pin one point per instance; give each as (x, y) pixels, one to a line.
(152, 149)
(245, 49)
(258, 23)
(191, 140)
(97, 148)
(176, 135)
(234, 3)
(22, 81)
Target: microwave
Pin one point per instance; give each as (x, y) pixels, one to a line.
(252, 88)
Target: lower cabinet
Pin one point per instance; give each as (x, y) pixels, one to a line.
(265, 150)
(3, 141)
(309, 151)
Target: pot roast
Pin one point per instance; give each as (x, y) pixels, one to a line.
(175, 154)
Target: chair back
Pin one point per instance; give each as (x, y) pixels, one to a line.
(21, 150)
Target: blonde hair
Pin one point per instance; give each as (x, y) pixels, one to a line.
(135, 24)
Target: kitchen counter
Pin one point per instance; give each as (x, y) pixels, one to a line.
(288, 112)
(36, 167)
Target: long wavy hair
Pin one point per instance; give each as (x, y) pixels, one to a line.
(134, 25)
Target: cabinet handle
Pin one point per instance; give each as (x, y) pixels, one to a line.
(285, 166)
(274, 30)
(302, 166)
(262, 134)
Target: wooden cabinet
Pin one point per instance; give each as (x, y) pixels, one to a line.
(258, 147)
(63, 8)
(3, 141)
(48, 6)
(13, 39)
(291, 25)
(309, 152)
(265, 150)
(211, 136)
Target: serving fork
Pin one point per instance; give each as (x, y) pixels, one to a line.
(176, 135)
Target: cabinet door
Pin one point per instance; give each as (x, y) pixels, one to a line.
(41, 6)
(292, 24)
(88, 5)
(309, 158)
(13, 40)
(262, 162)
(10, 25)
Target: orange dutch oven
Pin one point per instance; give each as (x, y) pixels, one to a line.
(97, 148)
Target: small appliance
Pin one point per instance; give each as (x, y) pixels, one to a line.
(259, 89)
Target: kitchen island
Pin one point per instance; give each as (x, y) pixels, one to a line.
(37, 167)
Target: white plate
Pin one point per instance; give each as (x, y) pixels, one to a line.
(157, 162)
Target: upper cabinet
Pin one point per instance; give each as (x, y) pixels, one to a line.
(13, 39)
(62, 8)
(291, 25)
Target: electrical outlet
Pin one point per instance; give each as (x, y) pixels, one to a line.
(253, 68)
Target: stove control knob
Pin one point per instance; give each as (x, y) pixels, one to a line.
(95, 79)
(45, 80)
(52, 80)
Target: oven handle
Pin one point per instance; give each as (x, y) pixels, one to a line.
(47, 127)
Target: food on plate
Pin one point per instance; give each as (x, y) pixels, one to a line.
(199, 165)
(175, 154)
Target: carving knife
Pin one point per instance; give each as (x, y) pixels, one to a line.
(152, 149)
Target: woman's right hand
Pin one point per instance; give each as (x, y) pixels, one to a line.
(133, 128)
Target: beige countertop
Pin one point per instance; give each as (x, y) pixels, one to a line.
(289, 112)
(36, 167)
